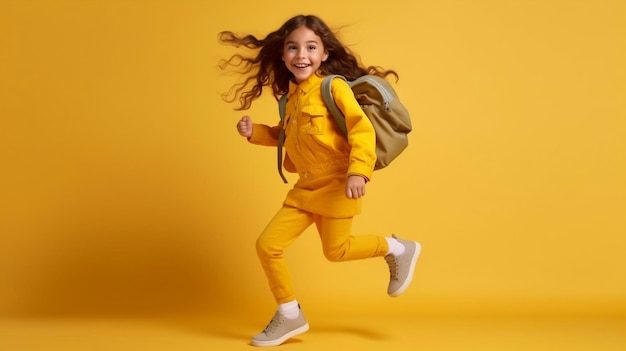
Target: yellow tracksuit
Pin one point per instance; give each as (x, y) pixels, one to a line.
(323, 159)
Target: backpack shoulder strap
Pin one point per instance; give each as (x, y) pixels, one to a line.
(282, 103)
(281, 135)
(329, 100)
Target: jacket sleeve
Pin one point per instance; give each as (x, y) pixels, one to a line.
(264, 135)
(361, 134)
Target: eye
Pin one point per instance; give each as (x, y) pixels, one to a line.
(291, 47)
(312, 47)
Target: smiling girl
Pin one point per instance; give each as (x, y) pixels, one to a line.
(333, 170)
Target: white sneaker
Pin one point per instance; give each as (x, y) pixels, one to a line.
(401, 267)
(280, 329)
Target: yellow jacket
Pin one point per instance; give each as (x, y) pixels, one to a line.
(318, 152)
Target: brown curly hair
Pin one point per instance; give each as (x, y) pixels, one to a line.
(268, 69)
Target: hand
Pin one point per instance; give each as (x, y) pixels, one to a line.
(244, 126)
(355, 187)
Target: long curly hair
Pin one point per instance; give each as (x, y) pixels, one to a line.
(267, 68)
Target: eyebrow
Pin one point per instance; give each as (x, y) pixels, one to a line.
(308, 42)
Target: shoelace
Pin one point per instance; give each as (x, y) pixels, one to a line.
(273, 324)
(392, 261)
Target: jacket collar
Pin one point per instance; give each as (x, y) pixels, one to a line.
(313, 81)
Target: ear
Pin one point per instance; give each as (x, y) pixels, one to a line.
(325, 56)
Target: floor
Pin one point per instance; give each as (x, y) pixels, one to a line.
(328, 332)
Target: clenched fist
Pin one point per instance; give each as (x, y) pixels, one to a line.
(244, 126)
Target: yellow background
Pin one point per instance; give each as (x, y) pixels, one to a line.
(125, 189)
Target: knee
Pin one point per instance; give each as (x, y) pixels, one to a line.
(335, 254)
(265, 248)
(262, 246)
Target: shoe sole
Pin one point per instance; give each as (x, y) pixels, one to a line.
(276, 342)
(407, 282)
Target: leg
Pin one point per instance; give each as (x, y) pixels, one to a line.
(282, 231)
(339, 245)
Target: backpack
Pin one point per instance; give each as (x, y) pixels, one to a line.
(381, 105)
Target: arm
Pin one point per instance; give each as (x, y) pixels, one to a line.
(361, 136)
(259, 134)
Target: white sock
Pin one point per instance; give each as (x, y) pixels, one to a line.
(395, 247)
(290, 309)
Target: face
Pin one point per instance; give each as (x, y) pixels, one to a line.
(303, 53)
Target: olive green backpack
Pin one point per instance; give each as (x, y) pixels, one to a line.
(381, 105)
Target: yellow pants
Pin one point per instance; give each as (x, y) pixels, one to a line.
(337, 242)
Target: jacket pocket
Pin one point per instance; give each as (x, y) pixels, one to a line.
(316, 121)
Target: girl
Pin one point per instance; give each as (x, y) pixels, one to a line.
(333, 170)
